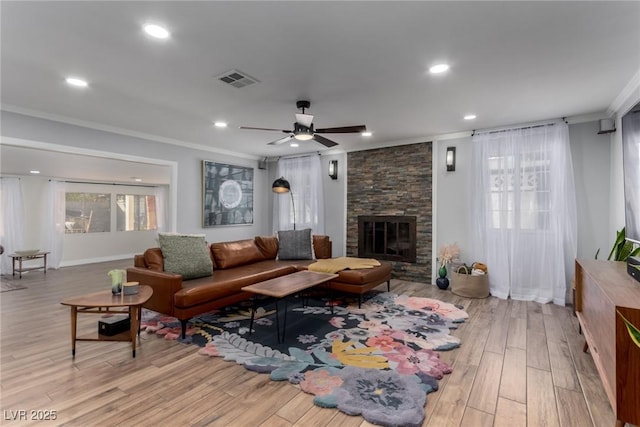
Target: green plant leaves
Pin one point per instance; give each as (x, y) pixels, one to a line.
(634, 332)
(622, 248)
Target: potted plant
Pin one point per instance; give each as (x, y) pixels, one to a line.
(445, 255)
(622, 248)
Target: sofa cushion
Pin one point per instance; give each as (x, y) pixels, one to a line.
(185, 254)
(229, 282)
(233, 254)
(295, 244)
(268, 245)
(153, 259)
(321, 247)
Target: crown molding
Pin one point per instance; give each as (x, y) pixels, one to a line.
(125, 132)
(627, 98)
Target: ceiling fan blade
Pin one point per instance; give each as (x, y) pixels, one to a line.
(343, 129)
(304, 119)
(277, 130)
(325, 141)
(281, 140)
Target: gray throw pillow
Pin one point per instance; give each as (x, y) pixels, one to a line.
(186, 254)
(295, 244)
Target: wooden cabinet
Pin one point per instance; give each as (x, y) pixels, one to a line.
(603, 288)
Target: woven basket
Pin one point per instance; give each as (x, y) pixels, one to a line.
(466, 285)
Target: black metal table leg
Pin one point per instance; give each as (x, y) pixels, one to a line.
(277, 322)
(253, 314)
(284, 324)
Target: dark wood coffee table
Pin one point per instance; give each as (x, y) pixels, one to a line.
(105, 302)
(284, 286)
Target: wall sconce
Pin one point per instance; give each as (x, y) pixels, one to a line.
(333, 169)
(451, 159)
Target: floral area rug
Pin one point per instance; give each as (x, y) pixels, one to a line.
(379, 361)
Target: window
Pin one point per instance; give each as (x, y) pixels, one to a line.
(136, 212)
(87, 212)
(520, 191)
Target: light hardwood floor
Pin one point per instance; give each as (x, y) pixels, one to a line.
(520, 364)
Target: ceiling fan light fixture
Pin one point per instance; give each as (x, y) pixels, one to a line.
(300, 136)
(301, 132)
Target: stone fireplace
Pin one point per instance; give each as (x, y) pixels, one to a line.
(390, 189)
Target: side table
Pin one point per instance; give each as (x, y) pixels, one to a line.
(21, 258)
(105, 302)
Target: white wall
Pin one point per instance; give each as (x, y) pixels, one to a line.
(335, 203)
(451, 198)
(590, 153)
(189, 172)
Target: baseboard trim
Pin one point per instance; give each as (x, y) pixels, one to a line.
(96, 260)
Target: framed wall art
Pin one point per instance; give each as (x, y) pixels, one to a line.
(227, 194)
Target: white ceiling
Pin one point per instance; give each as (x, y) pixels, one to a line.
(357, 62)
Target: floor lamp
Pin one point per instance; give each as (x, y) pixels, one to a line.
(281, 185)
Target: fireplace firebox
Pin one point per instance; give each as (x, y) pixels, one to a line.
(391, 237)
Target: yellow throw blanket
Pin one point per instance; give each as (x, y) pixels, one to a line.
(333, 265)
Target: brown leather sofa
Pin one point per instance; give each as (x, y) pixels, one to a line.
(235, 265)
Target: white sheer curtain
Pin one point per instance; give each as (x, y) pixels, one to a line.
(305, 177)
(524, 211)
(11, 220)
(161, 208)
(631, 157)
(53, 223)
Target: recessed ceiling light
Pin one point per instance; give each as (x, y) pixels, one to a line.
(366, 133)
(156, 31)
(220, 124)
(470, 117)
(138, 180)
(439, 68)
(294, 144)
(35, 172)
(75, 81)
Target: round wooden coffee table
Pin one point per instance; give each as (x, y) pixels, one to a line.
(104, 302)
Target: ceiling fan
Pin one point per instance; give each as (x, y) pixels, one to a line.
(303, 129)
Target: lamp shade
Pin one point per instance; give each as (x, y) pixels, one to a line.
(281, 185)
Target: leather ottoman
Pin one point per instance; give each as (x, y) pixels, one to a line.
(363, 280)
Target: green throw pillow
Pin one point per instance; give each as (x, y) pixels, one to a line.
(186, 254)
(295, 244)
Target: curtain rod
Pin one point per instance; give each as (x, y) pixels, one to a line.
(106, 183)
(295, 156)
(533, 126)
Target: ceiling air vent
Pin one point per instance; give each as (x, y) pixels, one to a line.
(237, 78)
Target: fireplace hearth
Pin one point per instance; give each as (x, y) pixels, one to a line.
(387, 237)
